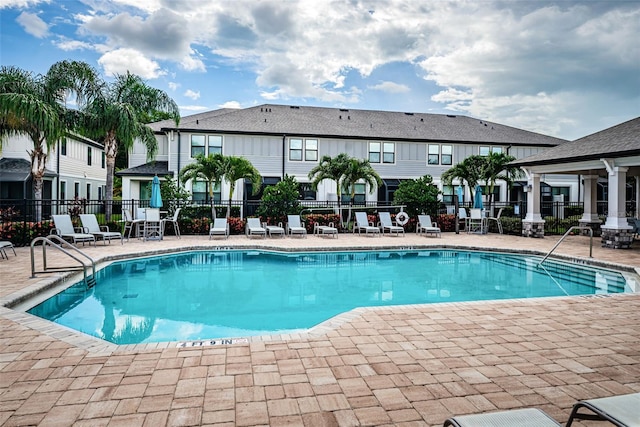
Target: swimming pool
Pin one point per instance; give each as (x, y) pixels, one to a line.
(232, 293)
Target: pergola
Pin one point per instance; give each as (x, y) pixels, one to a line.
(613, 153)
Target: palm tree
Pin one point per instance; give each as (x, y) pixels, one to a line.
(357, 171)
(332, 169)
(117, 117)
(34, 105)
(495, 165)
(236, 168)
(209, 169)
(469, 171)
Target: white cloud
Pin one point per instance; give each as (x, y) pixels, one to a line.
(173, 85)
(192, 108)
(20, 4)
(390, 87)
(192, 94)
(231, 104)
(122, 60)
(33, 25)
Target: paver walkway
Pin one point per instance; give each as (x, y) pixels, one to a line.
(411, 365)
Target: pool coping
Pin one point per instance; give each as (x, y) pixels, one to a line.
(98, 347)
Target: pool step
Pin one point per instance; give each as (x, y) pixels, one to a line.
(91, 282)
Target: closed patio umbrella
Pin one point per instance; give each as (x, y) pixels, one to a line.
(156, 198)
(477, 198)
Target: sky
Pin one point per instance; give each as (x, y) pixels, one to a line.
(561, 68)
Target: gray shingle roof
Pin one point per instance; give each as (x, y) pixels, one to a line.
(13, 169)
(159, 168)
(622, 140)
(351, 123)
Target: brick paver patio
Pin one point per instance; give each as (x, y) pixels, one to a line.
(409, 365)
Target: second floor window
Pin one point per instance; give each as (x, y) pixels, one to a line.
(200, 192)
(104, 160)
(215, 144)
(440, 154)
(382, 152)
(89, 156)
(63, 147)
(197, 145)
(303, 149)
(484, 150)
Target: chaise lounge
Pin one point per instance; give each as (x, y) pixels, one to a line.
(387, 225)
(90, 226)
(220, 227)
(64, 229)
(426, 226)
(254, 228)
(363, 224)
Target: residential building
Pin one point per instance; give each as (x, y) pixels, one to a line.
(288, 139)
(75, 167)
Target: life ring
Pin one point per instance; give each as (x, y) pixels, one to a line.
(402, 218)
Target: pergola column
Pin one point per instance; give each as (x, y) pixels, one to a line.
(616, 231)
(533, 224)
(590, 214)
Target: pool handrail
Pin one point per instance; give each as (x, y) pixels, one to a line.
(575, 227)
(49, 241)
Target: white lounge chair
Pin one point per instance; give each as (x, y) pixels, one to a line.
(623, 411)
(152, 224)
(254, 228)
(387, 224)
(325, 230)
(295, 226)
(274, 229)
(4, 244)
(172, 220)
(220, 227)
(463, 218)
(64, 229)
(90, 226)
(363, 224)
(426, 226)
(528, 417)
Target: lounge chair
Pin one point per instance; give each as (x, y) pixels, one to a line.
(528, 417)
(324, 230)
(295, 226)
(426, 226)
(90, 226)
(64, 229)
(273, 229)
(254, 228)
(387, 224)
(363, 224)
(220, 227)
(623, 411)
(4, 244)
(497, 220)
(171, 220)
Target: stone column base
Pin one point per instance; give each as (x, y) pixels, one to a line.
(595, 226)
(533, 229)
(616, 238)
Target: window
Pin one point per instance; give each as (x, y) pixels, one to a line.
(104, 160)
(200, 192)
(447, 194)
(89, 155)
(374, 152)
(295, 149)
(197, 145)
(63, 147)
(215, 144)
(99, 192)
(485, 150)
(76, 189)
(307, 192)
(496, 192)
(359, 196)
(434, 155)
(387, 155)
(311, 150)
(88, 191)
(447, 155)
(63, 190)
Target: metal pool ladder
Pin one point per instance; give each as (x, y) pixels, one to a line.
(57, 242)
(575, 227)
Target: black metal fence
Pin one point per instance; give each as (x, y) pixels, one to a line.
(20, 215)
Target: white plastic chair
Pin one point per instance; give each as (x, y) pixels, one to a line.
(90, 225)
(295, 226)
(254, 228)
(220, 227)
(426, 226)
(497, 220)
(172, 220)
(363, 224)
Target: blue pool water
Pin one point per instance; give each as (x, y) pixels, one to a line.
(208, 295)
